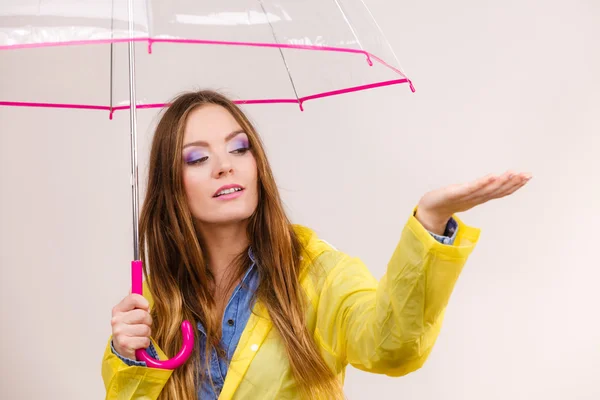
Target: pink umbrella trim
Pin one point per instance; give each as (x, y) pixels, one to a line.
(150, 41)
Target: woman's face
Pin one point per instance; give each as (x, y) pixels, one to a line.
(219, 170)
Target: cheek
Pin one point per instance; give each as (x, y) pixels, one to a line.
(188, 180)
(254, 179)
(252, 171)
(187, 184)
(193, 182)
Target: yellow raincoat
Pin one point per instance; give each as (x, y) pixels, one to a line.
(388, 327)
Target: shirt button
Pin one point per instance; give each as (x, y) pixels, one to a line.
(230, 322)
(254, 347)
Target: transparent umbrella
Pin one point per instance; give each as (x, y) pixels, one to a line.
(258, 51)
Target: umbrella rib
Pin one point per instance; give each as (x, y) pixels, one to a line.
(349, 24)
(282, 56)
(389, 45)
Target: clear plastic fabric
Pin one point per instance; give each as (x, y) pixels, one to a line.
(74, 53)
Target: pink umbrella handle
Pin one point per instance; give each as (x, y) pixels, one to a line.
(186, 330)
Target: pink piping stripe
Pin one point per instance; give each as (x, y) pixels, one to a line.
(259, 44)
(201, 41)
(251, 101)
(353, 89)
(150, 41)
(193, 41)
(69, 43)
(53, 105)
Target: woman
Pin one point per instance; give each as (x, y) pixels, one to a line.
(280, 313)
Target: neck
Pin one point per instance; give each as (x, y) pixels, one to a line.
(223, 243)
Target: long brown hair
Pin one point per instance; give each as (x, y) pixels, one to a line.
(180, 282)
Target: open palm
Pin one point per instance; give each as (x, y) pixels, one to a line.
(437, 206)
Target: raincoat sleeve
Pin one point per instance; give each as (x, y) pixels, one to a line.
(128, 382)
(151, 352)
(389, 327)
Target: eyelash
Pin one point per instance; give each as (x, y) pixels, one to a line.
(198, 161)
(240, 151)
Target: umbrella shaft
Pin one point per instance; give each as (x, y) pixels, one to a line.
(133, 131)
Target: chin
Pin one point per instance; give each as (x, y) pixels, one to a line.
(226, 218)
(231, 220)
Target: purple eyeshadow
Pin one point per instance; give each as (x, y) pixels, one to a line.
(239, 142)
(193, 155)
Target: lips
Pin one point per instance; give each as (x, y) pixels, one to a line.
(228, 189)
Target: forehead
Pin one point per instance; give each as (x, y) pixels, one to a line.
(209, 122)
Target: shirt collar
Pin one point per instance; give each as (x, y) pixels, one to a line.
(251, 254)
(244, 281)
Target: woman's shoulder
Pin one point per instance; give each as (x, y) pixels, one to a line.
(319, 256)
(311, 242)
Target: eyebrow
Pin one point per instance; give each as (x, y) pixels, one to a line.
(205, 144)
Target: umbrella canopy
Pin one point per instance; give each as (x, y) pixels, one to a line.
(256, 51)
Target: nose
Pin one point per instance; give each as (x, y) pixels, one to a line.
(224, 167)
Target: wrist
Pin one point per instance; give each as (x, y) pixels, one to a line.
(434, 222)
(124, 353)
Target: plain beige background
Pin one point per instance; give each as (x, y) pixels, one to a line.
(510, 84)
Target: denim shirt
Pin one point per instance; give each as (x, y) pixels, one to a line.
(236, 315)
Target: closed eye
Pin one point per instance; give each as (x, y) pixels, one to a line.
(241, 150)
(197, 161)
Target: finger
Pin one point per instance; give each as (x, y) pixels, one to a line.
(467, 189)
(134, 343)
(508, 180)
(510, 187)
(122, 331)
(132, 302)
(514, 184)
(490, 187)
(138, 330)
(136, 317)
